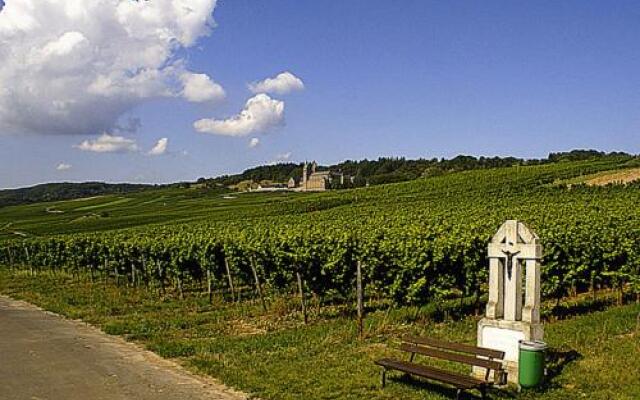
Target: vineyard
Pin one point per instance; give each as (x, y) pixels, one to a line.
(416, 242)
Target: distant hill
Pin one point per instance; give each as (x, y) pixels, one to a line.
(365, 172)
(391, 169)
(66, 191)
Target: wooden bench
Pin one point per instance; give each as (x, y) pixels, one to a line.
(488, 359)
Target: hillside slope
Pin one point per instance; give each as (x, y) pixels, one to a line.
(65, 191)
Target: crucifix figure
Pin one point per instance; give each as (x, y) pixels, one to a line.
(510, 256)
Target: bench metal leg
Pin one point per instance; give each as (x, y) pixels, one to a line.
(383, 377)
(459, 394)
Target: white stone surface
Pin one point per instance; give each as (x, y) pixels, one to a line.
(496, 283)
(502, 339)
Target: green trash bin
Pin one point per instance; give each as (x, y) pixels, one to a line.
(531, 363)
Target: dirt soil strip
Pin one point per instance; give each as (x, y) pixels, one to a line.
(622, 177)
(45, 356)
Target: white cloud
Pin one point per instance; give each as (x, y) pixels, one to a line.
(62, 46)
(254, 142)
(107, 143)
(261, 113)
(160, 148)
(284, 156)
(284, 82)
(199, 88)
(63, 167)
(75, 66)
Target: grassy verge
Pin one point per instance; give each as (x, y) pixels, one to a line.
(274, 356)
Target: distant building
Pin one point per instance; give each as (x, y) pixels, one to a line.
(270, 187)
(318, 181)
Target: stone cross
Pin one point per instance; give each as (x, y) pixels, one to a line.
(513, 248)
(514, 252)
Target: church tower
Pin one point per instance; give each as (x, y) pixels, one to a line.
(304, 175)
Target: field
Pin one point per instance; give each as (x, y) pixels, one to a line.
(275, 356)
(157, 266)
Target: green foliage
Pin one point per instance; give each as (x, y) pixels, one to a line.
(419, 241)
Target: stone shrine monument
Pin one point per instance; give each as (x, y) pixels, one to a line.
(514, 251)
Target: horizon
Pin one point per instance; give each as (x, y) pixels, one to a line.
(240, 87)
(320, 164)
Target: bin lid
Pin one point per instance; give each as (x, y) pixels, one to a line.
(533, 345)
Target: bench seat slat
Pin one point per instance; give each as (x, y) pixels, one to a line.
(449, 356)
(460, 347)
(452, 378)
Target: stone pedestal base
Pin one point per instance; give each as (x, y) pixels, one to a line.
(505, 335)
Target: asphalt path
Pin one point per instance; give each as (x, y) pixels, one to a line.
(46, 357)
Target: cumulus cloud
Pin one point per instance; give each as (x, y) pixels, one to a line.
(107, 143)
(63, 167)
(261, 113)
(76, 66)
(284, 156)
(160, 148)
(284, 82)
(199, 88)
(254, 142)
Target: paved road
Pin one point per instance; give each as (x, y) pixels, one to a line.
(43, 356)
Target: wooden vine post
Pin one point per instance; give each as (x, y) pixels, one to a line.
(106, 272)
(209, 285)
(257, 281)
(133, 275)
(302, 299)
(160, 269)
(179, 281)
(359, 298)
(144, 270)
(11, 258)
(226, 266)
(116, 273)
(26, 252)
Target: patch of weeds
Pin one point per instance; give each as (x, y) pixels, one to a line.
(172, 348)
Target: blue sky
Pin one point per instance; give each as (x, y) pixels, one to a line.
(410, 78)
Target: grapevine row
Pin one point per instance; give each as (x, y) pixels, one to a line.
(417, 242)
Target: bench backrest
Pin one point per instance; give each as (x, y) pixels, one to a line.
(457, 347)
(451, 356)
